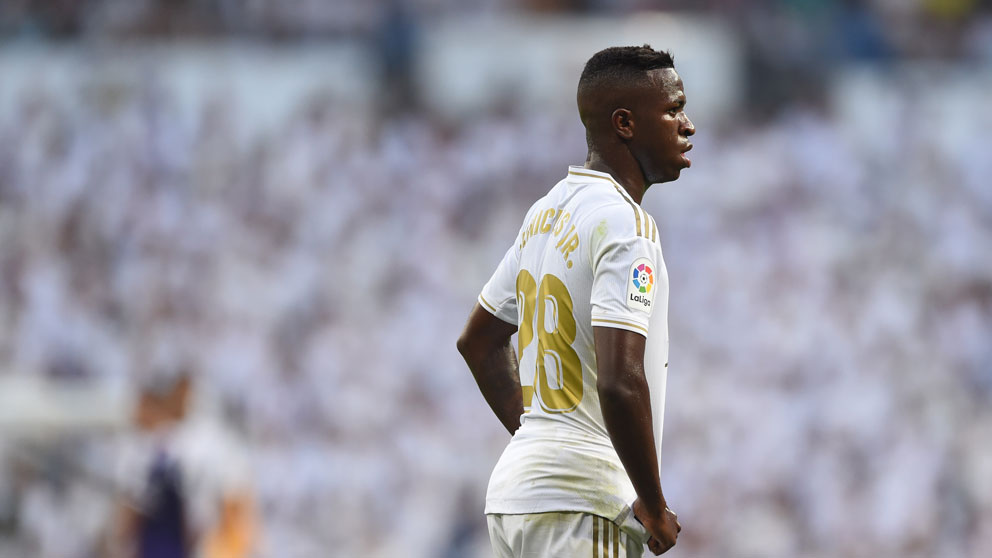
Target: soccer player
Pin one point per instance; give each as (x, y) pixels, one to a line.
(585, 287)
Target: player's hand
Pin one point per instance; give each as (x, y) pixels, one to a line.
(664, 529)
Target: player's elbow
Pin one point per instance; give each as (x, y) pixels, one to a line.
(471, 348)
(464, 344)
(483, 334)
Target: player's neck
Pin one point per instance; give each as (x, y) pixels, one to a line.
(628, 176)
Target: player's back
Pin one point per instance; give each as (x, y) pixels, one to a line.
(587, 255)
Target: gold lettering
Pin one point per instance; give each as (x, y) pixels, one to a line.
(531, 230)
(564, 236)
(545, 221)
(572, 244)
(545, 225)
(561, 223)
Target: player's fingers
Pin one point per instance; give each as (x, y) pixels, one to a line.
(654, 546)
(678, 527)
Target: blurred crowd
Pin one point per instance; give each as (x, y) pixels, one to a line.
(831, 312)
(787, 31)
(313, 279)
(830, 391)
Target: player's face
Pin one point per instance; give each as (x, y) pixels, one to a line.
(662, 129)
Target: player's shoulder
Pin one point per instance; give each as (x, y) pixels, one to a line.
(608, 206)
(612, 213)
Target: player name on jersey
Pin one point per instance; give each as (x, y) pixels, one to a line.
(554, 221)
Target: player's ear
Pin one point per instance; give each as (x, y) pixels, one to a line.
(623, 124)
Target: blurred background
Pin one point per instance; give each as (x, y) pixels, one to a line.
(238, 240)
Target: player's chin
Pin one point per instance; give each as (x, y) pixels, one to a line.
(672, 173)
(681, 163)
(667, 172)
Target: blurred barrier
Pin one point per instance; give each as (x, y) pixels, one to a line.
(32, 407)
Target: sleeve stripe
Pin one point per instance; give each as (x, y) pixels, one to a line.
(487, 305)
(654, 231)
(638, 327)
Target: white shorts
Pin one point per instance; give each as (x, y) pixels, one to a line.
(565, 535)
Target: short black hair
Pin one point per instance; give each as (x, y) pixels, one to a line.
(623, 64)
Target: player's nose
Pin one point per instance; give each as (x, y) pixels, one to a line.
(688, 128)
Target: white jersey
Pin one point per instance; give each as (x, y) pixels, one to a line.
(587, 255)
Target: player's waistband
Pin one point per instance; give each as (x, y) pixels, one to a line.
(548, 431)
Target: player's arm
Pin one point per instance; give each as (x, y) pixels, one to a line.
(485, 346)
(626, 404)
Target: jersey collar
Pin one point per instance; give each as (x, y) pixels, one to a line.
(581, 174)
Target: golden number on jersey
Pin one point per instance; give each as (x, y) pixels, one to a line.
(558, 370)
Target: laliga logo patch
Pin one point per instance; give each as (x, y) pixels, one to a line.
(640, 287)
(643, 278)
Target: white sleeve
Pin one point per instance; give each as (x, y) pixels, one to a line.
(499, 296)
(625, 270)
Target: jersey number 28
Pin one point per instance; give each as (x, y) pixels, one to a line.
(557, 361)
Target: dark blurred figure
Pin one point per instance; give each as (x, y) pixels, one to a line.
(180, 506)
(156, 526)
